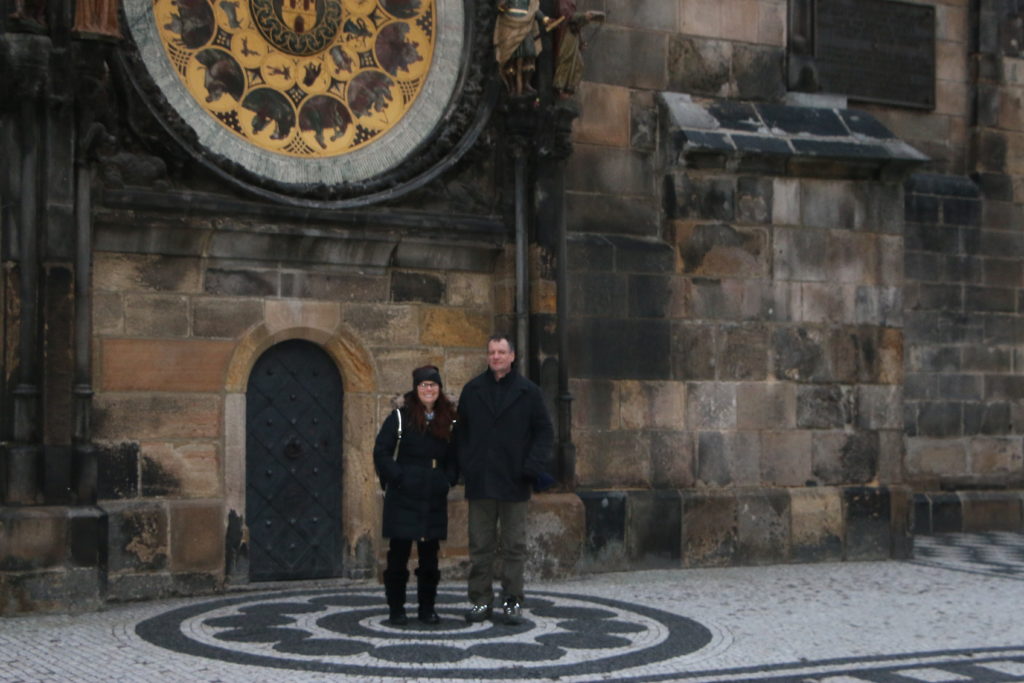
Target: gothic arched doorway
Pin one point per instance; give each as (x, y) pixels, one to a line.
(293, 418)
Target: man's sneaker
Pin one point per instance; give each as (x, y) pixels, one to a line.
(512, 610)
(478, 613)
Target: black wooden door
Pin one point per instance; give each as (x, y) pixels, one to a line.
(293, 410)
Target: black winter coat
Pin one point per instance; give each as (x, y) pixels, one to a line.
(416, 483)
(504, 436)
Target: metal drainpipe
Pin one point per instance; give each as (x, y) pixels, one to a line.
(522, 268)
(84, 466)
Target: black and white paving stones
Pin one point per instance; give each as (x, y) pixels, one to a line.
(955, 613)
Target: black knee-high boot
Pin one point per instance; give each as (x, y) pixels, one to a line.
(394, 591)
(426, 594)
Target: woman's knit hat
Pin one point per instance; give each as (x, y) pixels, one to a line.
(427, 373)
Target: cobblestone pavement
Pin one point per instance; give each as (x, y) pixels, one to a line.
(955, 613)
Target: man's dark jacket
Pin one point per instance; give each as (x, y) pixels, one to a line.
(504, 436)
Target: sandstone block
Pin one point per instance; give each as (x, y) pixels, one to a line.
(936, 457)
(710, 531)
(878, 406)
(711, 405)
(823, 407)
(719, 250)
(992, 511)
(743, 352)
(225, 318)
(605, 541)
(693, 351)
(786, 201)
(701, 18)
(763, 527)
(605, 115)
(455, 327)
(138, 272)
(828, 204)
(816, 524)
(616, 459)
(380, 324)
(996, 456)
(424, 287)
(652, 405)
(190, 470)
(555, 532)
(672, 460)
(826, 302)
(729, 458)
(609, 171)
(196, 536)
(125, 417)
(765, 405)
(699, 66)
(286, 314)
(596, 404)
(395, 366)
(460, 366)
(644, 69)
(891, 452)
(137, 536)
(737, 23)
(844, 457)
(164, 364)
(654, 529)
(107, 313)
(365, 287)
(32, 538)
(469, 290)
(155, 315)
(786, 458)
(800, 255)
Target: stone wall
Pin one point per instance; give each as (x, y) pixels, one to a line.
(177, 330)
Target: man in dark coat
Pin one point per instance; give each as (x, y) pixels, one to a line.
(504, 439)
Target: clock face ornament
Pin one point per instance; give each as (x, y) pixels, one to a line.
(301, 93)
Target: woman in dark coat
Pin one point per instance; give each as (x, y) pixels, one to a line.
(416, 483)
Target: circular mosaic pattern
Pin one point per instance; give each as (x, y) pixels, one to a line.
(346, 632)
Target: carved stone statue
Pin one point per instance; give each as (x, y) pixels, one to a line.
(517, 41)
(569, 46)
(97, 18)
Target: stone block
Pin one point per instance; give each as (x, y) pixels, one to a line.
(123, 417)
(947, 512)
(826, 302)
(612, 214)
(605, 542)
(291, 314)
(605, 117)
(710, 529)
(878, 306)
(922, 514)
(930, 457)
(189, 470)
(333, 286)
(469, 290)
(654, 529)
(650, 296)
(610, 171)
(743, 352)
(395, 366)
(615, 356)
(164, 365)
(597, 293)
(595, 404)
(616, 459)
(754, 199)
(823, 407)
(719, 250)
(712, 199)
(652, 405)
(87, 537)
(869, 522)
(1001, 457)
(256, 283)
(729, 458)
(800, 354)
(455, 327)
(643, 128)
(758, 70)
(786, 458)
(699, 66)
(992, 511)
(711, 405)
(555, 532)
(816, 525)
(939, 419)
(799, 255)
(645, 69)
(135, 272)
(878, 406)
(845, 457)
(117, 470)
(137, 533)
(33, 538)
(891, 452)
(739, 22)
(155, 315)
(693, 351)
(763, 527)
(634, 255)
(196, 536)
(701, 18)
(107, 313)
(786, 201)
(672, 460)
(224, 318)
(388, 325)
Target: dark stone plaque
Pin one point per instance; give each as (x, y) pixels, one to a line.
(869, 50)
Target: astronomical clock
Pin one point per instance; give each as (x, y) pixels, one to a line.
(314, 100)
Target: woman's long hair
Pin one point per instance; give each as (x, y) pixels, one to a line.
(444, 414)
